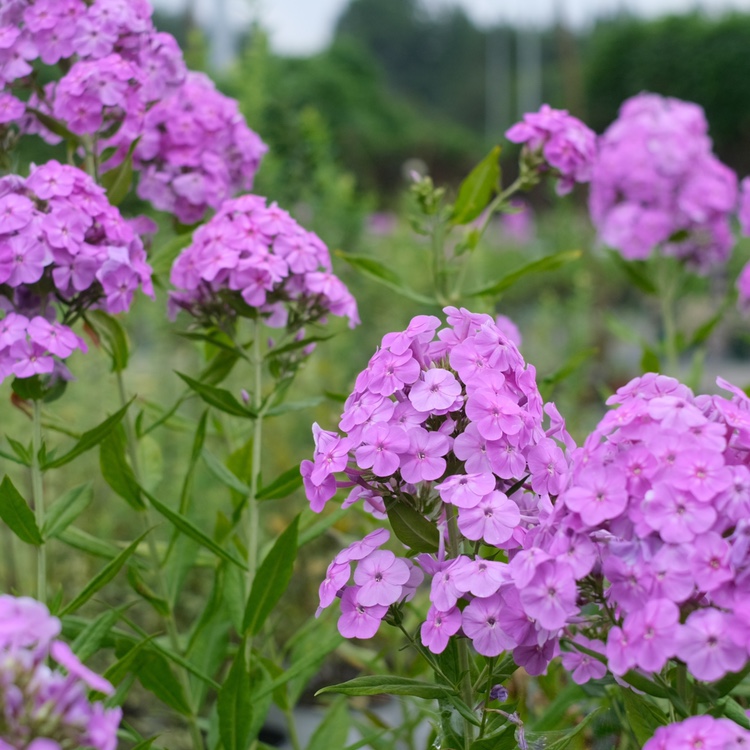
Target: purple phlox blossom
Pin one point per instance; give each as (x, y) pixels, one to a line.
(480, 577)
(437, 629)
(584, 667)
(380, 576)
(466, 490)
(482, 621)
(360, 549)
(548, 466)
(700, 733)
(337, 576)
(567, 145)
(496, 416)
(493, 519)
(550, 596)
(424, 461)
(598, 495)
(651, 633)
(705, 644)
(437, 392)
(381, 446)
(358, 620)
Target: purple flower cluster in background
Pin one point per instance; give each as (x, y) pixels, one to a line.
(45, 708)
(700, 732)
(657, 183)
(447, 433)
(258, 255)
(655, 518)
(196, 151)
(61, 245)
(123, 81)
(563, 142)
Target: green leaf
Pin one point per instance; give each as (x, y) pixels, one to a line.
(278, 351)
(112, 331)
(146, 744)
(23, 453)
(104, 576)
(17, 515)
(644, 716)
(145, 592)
(219, 367)
(89, 439)
(563, 742)
(285, 408)
(223, 474)
(555, 713)
(388, 685)
(548, 263)
(219, 398)
(162, 259)
(53, 125)
(117, 671)
(376, 271)
(29, 389)
(116, 470)
(504, 739)
(118, 180)
(271, 580)
(411, 527)
(702, 333)
(90, 639)
(282, 486)
(475, 191)
(637, 271)
(569, 367)
(732, 710)
(235, 705)
(85, 542)
(66, 509)
(156, 675)
(189, 529)
(333, 731)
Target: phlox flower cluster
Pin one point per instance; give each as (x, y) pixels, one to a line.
(655, 520)
(196, 151)
(41, 707)
(62, 245)
(563, 142)
(124, 81)
(445, 432)
(656, 183)
(703, 732)
(256, 257)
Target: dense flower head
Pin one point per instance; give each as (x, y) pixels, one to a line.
(196, 151)
(258, 256)
(44, 707)
(700, 733)
(444, 432)
(564, 142)
(655, 514)
(656, 183)
(62, 246)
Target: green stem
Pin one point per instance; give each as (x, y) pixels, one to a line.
(148, 522)
(253, 515)
(291, 725)
(37, 491)
(454, 546)
(438, 260)
(668, 286)
(485, 713)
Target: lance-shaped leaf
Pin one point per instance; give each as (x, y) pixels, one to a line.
(104, 576)
(548, 263)
(379, 272)
(389, 685)
(476, 190)
(190, 529)
(282, 486)
(411, 527)
(166, 253)
(235, 706)
(271, 580)
(219, 398)
(116, 470)
(644, 716)
(17, 515)
(111, 330)
(333, 730)
(89, 439)
(66, 509)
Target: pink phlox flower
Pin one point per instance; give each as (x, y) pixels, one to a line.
(421, 329)
(628, 578)
(506, 459)
(582, 666)
(437, 391)
(65, 657)
(535, 657)
(16, 211)
(358, 620)
(466, 490)
(710, 561)
(650, 632)
(548, 467)
(391, 372)
(471, 448)
(577, 549)
(550, 596)
(437, 629)
(380, 576)
(705, 644)
(676, 514)
(29, 359)
(598, 495)
(620, 657)
(493, 519)
(424, 461)
(331, 454)
(480, 577)
(482, 622)
(702, 473)
(672, 575)
(675, 413)
(318, 493)
(337, 576)
(495, 416)
(360, 549)
(382, 444)
(524, 564)
(443, 590)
